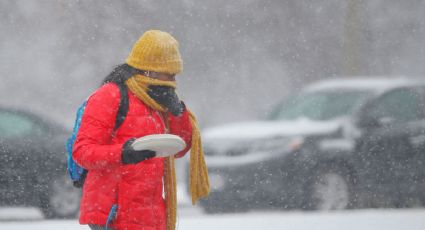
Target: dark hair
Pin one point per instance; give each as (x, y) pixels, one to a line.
(121, 73)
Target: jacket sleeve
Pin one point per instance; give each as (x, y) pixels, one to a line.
(93, 148)
(181, 126)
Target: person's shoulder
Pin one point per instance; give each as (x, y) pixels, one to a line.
(108, 91)
(108, 87)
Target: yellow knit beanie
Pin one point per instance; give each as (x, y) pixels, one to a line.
(156, 51)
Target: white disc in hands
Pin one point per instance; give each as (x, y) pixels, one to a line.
(164, 145)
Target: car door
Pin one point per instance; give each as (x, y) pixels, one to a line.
(17, 162)
(390, 150)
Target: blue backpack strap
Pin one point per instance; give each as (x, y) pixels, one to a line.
(111, 216)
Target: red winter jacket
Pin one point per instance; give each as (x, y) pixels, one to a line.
(136, 188)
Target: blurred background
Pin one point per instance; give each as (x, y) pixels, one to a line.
(241, 60)
(244, 53)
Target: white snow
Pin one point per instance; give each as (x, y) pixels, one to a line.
(193, 219)
(267, 129)
(376, 84)
(22, 213)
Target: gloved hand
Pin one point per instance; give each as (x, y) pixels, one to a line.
(131, 156)
(179, 109)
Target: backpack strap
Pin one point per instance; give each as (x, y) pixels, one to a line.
(123, 107)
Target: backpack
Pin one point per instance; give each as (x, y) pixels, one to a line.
(75, 171)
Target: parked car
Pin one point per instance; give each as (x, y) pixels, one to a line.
(33, 164)
(338, 144)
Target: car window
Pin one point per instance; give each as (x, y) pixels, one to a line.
(14, 125)
(398, 105)
(319, 105)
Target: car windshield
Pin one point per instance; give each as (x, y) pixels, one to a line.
(319, 105)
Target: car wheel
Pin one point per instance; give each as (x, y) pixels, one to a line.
(61, 199)
(330, 189)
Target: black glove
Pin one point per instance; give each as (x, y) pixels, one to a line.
(167, 97)
(131, 156)
(178, 109)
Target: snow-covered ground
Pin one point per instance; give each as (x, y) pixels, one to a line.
(192, 218)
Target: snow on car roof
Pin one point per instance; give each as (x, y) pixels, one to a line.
(362, 83)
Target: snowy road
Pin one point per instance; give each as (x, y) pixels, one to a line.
(413, 219)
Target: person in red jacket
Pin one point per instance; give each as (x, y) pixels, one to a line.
(117, 173)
